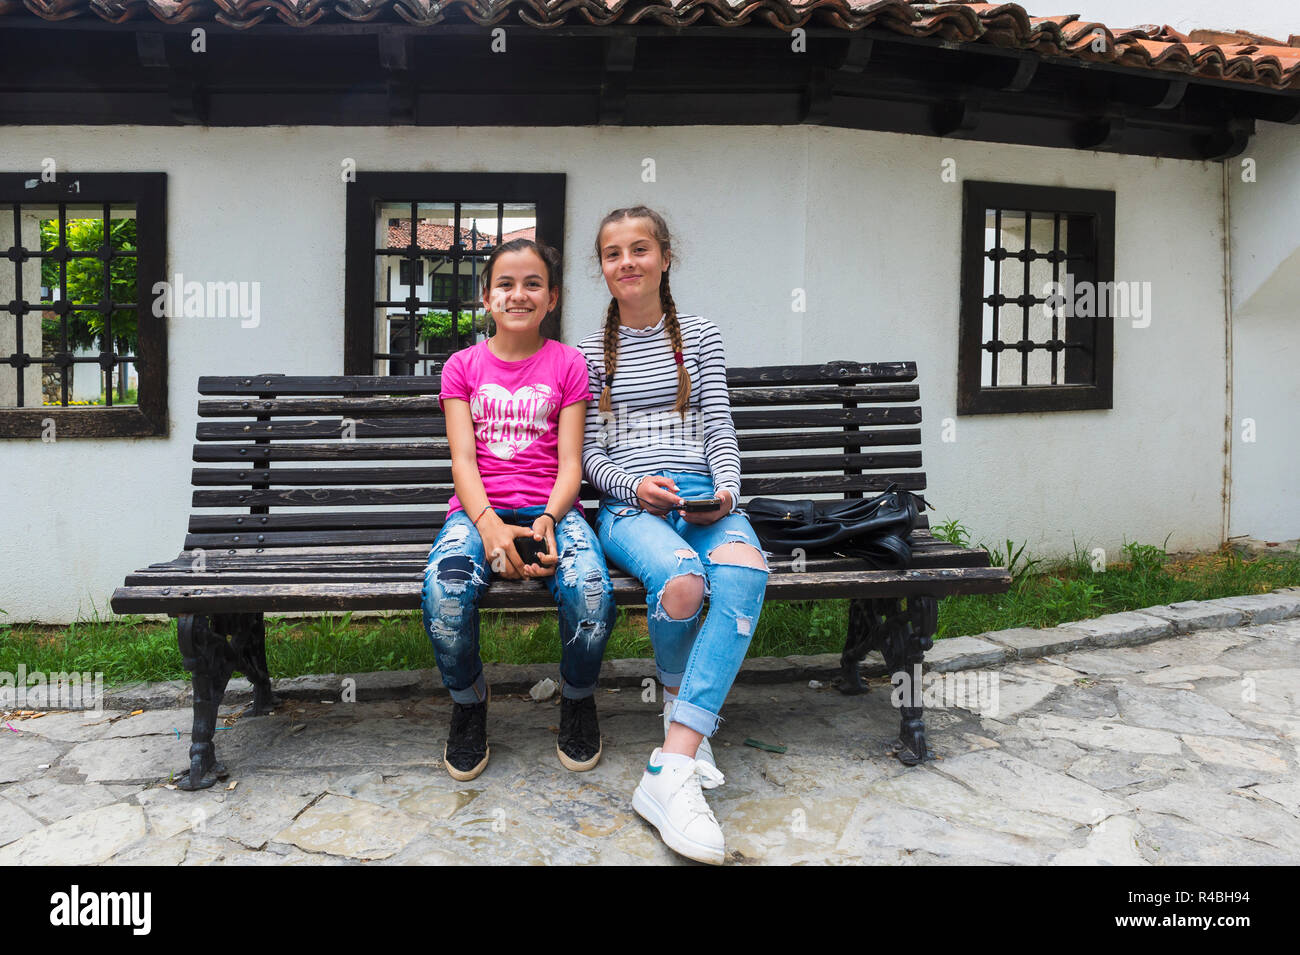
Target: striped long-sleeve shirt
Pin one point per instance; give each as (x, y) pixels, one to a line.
(643, 433)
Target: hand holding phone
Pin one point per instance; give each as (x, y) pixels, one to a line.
(691, 505)
(529, 549)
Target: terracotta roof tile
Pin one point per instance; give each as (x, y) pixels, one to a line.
(1241, 56)
(437, 236)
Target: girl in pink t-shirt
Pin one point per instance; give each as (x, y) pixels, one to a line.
(515, 406)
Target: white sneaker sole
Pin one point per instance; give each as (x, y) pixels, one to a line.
(650, 810)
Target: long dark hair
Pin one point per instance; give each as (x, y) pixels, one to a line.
(659, 229)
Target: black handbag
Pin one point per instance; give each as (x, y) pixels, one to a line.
(874, 529)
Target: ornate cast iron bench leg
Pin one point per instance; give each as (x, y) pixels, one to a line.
(248, 639)
(865, 619)
(210, 660)
(902, 635)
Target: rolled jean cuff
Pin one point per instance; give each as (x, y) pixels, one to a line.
(475, 693)
(669, 679)
(694, 717)
(571, 692)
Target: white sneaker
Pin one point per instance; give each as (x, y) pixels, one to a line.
(669, 798)
(702, 755)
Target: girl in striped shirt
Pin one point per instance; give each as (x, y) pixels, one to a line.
(660, 448)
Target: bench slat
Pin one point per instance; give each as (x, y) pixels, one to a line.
(506, 593)
(926, 553)
(315, 407)
(437, 449)
(848, 372)
(839, 371)
(811, 440)
(433, 450)
(336, 477)
(319, 384)
(436, 425)
(816, 394)
(361, 496)
(378, 404)
(429, 426)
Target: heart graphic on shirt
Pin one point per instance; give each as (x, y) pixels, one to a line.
(508, 422)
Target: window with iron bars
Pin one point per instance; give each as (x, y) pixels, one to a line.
(416, 247)
(82, 353)
(1036, 332)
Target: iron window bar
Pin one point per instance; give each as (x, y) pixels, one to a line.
(108, 359)
(1026, 300)
(456, 301)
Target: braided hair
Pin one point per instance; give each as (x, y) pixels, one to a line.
(659, 229)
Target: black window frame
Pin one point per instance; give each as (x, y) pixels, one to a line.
(545, 191)
(1097, 362)
(147, 192)
(404, 267)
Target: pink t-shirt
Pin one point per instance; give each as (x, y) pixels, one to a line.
(516, 410)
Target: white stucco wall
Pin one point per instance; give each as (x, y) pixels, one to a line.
(1266, 336)
(860, 220)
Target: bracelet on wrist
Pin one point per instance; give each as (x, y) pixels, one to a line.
(554, 522)
(481, 513)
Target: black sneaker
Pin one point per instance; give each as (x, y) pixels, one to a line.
(579, 744)
(466, 752)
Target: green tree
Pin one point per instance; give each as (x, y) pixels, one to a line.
(437, 325)
(85, 286)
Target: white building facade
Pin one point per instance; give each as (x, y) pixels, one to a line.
(863, 228)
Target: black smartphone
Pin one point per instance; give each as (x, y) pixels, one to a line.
(701, 504)
(529, 549)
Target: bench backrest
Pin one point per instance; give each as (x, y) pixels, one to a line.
(273, 450)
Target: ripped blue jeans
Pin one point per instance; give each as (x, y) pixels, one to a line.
(458, 572)
(702, 660)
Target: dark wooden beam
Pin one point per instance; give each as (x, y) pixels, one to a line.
(395, 61)
(620, 57)
(164, 55)
(955, 116)
(1230, 141)
(817, 98)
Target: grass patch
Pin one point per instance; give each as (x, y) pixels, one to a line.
(1043, 594)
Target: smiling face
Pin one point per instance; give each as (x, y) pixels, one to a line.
(518, 294)
(631, 260)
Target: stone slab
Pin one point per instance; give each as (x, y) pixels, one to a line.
(1228, 752)
(1189, 615)
(1181, 674)
(1264, 608)
(1020, 784)
(1122, 629)
(130, 758)
(74, 726)
(1225, 813)
(1180, 711)
(22, 755)
(353, 828)
(1112, 842)
(1029, 643)
(50, 800)
(963, 653)
(1103, 734)
(85, 838)
(15, 822)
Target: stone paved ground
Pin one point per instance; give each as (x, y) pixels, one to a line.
(1179, 751)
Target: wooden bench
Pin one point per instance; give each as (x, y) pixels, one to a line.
(317, 494)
